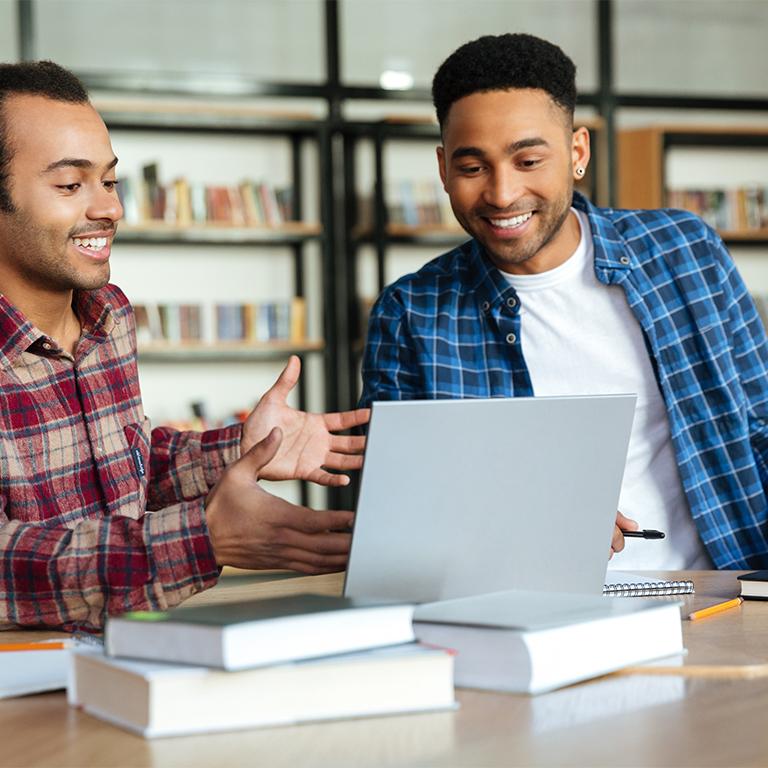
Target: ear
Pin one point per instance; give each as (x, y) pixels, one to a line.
(441, 164)
(580, 151)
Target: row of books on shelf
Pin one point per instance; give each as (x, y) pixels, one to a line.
(263, 322)
(736, 210)
(419, 203)
(312, 657)
(183, 203)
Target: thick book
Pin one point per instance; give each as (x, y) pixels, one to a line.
(156, 699)
(754, 586)
(529, 642)
(259, 632)
(621, 584)
(33, 667)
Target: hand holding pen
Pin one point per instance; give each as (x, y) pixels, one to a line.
(626, 528)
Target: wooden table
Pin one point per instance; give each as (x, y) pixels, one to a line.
(618, 720)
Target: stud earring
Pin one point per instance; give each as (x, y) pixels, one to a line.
(580, 171)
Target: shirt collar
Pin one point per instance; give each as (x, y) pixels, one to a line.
(18, 334)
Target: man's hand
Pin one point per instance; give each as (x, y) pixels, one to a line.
(308, 447)
(622, 524)
(250, 528)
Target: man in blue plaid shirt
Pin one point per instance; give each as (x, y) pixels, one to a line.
(554, 296)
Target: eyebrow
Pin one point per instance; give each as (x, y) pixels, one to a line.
(515, 146)
(75, 162)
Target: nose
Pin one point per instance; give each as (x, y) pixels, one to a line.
(504, 186)
(104, 205)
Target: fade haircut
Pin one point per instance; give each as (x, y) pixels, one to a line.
(502, 62)
(32, 78)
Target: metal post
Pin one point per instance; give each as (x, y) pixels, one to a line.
(26, 30)
(606, 96)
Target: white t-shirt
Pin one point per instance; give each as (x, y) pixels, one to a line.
(579, 337)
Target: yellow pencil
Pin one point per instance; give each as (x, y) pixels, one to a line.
(704, 612)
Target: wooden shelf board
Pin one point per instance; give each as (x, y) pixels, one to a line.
(215, 232)
(193, 352)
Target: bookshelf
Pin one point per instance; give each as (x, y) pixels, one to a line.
(168, 266)
(722, 195)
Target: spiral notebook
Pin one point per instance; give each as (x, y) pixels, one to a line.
(621, 584)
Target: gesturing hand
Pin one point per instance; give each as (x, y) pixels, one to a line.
(308, 448)
(250, 528)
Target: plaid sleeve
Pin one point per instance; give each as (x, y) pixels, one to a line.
(74, 577)
(390, 366)
(186, 465)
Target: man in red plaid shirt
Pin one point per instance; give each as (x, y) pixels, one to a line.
(98, 513)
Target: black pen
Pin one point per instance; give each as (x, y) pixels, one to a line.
(646, 534)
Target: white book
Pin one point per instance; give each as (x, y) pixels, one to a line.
(33, 667)
(529, 642)
(156, 699)
(259, 632)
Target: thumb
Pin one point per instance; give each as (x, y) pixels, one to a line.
(286, 381)
(263, 452)
(626, 523)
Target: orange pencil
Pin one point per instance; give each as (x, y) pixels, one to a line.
(704, 612)
(34, 646)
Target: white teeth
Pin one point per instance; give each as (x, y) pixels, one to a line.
(515, 221)
(92, 243)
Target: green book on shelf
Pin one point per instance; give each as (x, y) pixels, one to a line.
(259, 632)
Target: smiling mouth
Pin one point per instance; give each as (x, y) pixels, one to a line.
(93, 245)
(509, 222)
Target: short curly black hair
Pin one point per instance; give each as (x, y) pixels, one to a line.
(34, 78)
(501, 62)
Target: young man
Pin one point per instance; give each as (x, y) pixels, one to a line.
(553, 296)
(80, 470)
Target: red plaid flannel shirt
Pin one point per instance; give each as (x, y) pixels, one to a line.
(97, 514)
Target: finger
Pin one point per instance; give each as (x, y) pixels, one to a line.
(617, 541)
(325, 543)
(262, 453)
(317, 520)
(286, 381)
(626, 523)
(342, 461)
(336, 422)
(347, 444)
(328, 479)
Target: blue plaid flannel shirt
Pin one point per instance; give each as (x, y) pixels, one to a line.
(452, 330)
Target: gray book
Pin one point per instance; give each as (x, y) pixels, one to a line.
(529, 642)
(259, 632)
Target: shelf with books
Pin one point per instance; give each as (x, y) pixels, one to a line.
(224, 255)
(718, 172)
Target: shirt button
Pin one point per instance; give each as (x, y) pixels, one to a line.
(624, 260)
(511, 338)
(486, 306)
(46, 345)
(511, 302)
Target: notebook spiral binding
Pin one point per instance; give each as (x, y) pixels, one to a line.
(649, 590)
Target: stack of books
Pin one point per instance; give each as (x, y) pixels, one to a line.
(259, 663)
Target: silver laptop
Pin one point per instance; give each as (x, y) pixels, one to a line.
(462, 497)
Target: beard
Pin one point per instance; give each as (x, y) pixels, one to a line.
(40, 255)
(548, 218)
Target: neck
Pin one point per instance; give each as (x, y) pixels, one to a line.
(49, 311)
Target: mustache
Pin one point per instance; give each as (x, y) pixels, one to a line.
(105, 226)
(490, 212)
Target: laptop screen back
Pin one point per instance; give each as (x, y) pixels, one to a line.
(462, 497)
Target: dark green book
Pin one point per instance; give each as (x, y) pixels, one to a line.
(259, 632)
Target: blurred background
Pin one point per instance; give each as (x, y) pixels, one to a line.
(277, 160)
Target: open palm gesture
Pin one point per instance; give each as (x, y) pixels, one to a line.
(308, 448)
